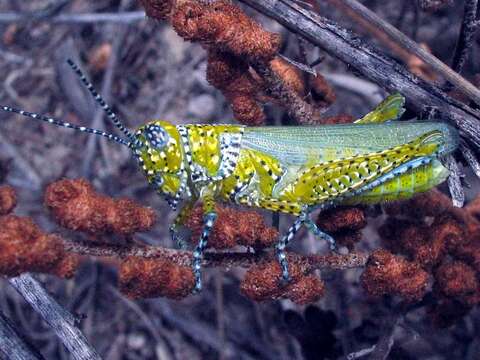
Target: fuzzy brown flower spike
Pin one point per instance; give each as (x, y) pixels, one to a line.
(25, 248)
(234, 227)
(227, 28)
(148, 278)
(458, 281)
(231, 75)
(77, 206)
(456, 291)
(344, 224)
(262, 282)
(393, 275)
(469, 252)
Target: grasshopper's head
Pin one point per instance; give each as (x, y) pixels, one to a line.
(157, 148)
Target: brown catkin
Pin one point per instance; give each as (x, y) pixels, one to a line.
(150, 278)
(25, 248)
(227, 28)
(76, 206)
(389, 274)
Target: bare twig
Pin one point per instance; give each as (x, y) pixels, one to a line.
(411, 46)
(433, 5)
(369, 62)
(61, 321)
(12, 346)
(466, 37)
(365, 25)
(471, 159)
(213, 259)
(360, 353)
(123, 17)
(455, 182)
(302, 66)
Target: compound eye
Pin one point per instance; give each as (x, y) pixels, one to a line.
(156, 136)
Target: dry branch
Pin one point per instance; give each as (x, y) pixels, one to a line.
(60, 320)
(213, 259)
(466, 37)
(411, 47)
(300, 110)
(378, 68)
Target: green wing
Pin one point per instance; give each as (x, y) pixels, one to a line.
(392, 108)
(298, 145)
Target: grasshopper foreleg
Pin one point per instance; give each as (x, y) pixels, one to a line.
(209, 218)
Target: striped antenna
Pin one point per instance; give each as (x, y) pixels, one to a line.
(101, 101)
(84, 129)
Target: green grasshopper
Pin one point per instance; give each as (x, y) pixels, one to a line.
(293, 170)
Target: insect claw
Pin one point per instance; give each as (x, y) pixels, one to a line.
(285, 279)
(198, 286)
(282, 259)
(331, 242)
(333, 248)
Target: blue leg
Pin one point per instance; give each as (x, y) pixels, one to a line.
(320, 234)
(282, 244)
(209, 218)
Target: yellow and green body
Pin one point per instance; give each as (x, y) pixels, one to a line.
(295, 169)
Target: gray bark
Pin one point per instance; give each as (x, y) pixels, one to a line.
(59, 319)
(378, 68)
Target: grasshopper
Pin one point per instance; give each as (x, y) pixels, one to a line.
(293, 170)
